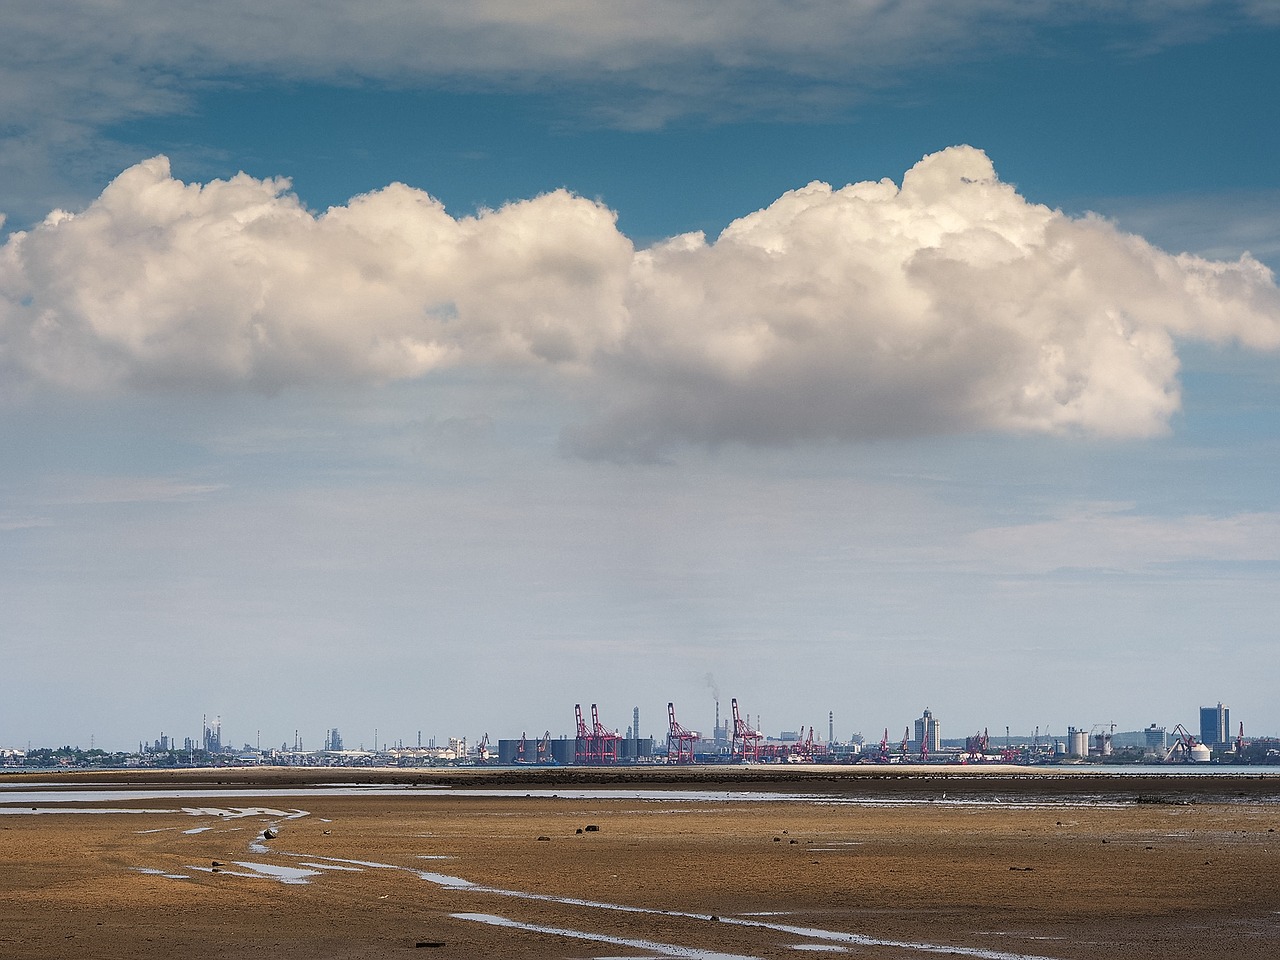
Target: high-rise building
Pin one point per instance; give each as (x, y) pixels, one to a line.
(1215, 725)
(1157, 740)
(929, 732)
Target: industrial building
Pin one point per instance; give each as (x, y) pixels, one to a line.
(563, 751)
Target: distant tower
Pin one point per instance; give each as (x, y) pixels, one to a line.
(635, 721)
(1215, 725)
(831, 726)
(929, 731)
(212, 735)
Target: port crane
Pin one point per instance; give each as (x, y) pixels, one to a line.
(745, 745)
(679, 740)
(544, 749)
(1182, 745)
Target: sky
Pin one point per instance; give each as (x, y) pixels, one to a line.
(420, 367)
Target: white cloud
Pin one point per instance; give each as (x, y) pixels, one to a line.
(948, 304)
(103, 490)
(160, 283)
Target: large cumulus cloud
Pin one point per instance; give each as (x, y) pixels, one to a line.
(947, 303)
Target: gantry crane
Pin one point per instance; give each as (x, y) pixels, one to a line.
(745, 745)
(679, 740)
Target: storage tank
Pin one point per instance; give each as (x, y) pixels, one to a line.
(1200, 753)
(1077, 742)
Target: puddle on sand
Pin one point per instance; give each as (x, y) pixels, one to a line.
(650, 946)
(453, 883)
(195, 830)
(262, 871)
(330, 866)
(237, 813)
(153, 872)
(283, 874)
(830, 937)
(358, 863)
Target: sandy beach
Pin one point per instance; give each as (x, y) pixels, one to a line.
(747, 863)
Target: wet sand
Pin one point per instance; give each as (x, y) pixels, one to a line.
(896, 864)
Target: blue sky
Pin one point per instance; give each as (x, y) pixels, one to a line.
(976, 439)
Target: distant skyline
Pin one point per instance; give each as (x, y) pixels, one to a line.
(229, 737)
(432, 366)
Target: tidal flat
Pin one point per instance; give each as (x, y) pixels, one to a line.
(708, 863)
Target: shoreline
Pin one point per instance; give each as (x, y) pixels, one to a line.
(1234, 784)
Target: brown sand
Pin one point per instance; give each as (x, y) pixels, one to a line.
(1089, 868)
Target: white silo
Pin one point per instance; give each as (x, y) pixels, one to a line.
(1077, 742)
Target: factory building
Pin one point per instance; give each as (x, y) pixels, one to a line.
(562, 751)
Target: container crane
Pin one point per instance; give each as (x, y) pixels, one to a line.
(544, 749)
(745, 745)
(584, 745)
(679, 740)
(606, 741)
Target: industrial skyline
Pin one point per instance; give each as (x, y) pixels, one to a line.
(927, 728)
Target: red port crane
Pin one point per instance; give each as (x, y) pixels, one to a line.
(745, 745)
(802, 751)
(606, 741)
(544, 749)
(1182, 746)
(594, 744)
(583, 746)
(679, 740)
(976, 746)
